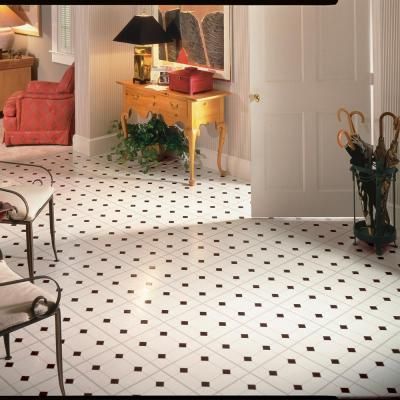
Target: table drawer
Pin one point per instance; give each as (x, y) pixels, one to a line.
(174, 107)
(138, 100)
(171, 118)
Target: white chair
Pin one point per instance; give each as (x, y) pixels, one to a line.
(28, 200)
(22, 303)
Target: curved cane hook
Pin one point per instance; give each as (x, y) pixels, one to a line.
(339, 139)
(396, 122)
(349, 121)
(360, 114)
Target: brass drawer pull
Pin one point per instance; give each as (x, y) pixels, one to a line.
(174, 106)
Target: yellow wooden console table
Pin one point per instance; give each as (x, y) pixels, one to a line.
(192, 111)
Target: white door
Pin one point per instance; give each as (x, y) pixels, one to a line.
(305, 63)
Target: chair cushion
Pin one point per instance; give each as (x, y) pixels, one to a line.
(16, 300)
(36, 196)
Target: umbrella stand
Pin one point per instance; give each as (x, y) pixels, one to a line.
(373, 171)
(382, 232)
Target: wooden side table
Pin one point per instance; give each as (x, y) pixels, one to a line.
(192, 111)
(15, 73)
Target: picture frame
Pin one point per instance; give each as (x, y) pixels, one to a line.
(217, 55)
(163, 78)
(32, 15)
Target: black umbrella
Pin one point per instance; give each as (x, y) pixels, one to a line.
(361, 154)
(387, 159)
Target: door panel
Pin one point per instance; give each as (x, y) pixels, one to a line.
(305, 62)
(281, 65)
(285, 129)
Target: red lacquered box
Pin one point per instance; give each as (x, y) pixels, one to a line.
(190, 80)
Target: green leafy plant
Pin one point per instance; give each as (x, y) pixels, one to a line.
(149, 142)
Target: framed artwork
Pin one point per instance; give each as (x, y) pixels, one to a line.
(31, 15)
(201, 38)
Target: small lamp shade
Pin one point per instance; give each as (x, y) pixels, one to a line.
(8, 18)
(142, 30)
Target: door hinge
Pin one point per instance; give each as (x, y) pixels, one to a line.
(371, 78)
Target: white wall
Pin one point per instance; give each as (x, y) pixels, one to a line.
(39, 47)
(99, 63)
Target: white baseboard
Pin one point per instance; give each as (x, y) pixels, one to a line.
(234, 166)
(92, 147)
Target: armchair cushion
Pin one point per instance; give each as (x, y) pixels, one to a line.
(16, 300)
(36, 196)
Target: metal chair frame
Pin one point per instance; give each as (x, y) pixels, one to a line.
(55, 310)
(28, 224)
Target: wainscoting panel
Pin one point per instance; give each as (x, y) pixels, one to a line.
(390, 67)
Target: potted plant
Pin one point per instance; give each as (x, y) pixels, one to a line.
(149, 142)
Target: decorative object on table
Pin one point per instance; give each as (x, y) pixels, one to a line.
(31, 15)
(373, 175)
(201, 37)
(142, 31)
(191, 80)
(42, 114)
(8, 19)
(163, 78)
(149, 142)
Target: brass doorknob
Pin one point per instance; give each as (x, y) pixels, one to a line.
(256, 97)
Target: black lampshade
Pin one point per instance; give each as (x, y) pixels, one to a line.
(143, 29)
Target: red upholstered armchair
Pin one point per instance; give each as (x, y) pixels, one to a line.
(42, 114)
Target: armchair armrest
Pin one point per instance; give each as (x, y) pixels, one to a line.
(10, 106)
(42, 87)
(47, 96)
(37, 299)
(31, 165)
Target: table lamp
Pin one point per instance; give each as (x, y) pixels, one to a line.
(143, 31)
(8, 19)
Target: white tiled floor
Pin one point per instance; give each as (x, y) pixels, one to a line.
(176, 290)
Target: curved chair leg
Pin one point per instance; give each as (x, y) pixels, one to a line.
(57, 316)
(52, 230)
(7, 346)
(29, 248)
